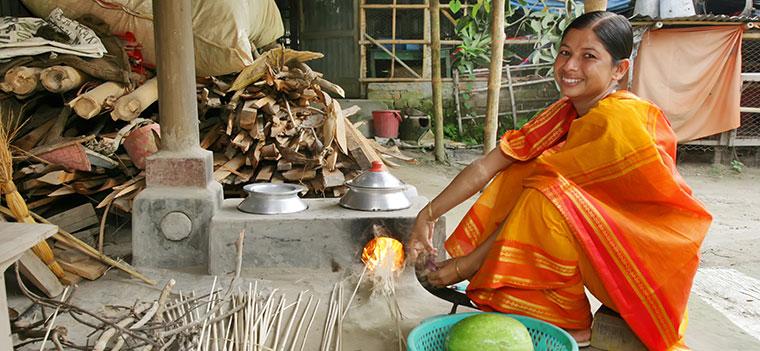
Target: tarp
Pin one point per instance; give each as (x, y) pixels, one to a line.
(224, 31)
(694, 75)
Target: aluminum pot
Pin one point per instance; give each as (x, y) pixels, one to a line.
(375, 190)
(269, 198)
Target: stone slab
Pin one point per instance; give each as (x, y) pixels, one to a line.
(170, 225)
(186, 169)
(323, 236)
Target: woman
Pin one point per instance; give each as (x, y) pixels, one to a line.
(585, 194)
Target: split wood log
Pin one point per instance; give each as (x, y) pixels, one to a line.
(76, 219)
(129, 106)
(229, 167)
(22, 80)
(90, 104)
(38, 273)
(60, 79)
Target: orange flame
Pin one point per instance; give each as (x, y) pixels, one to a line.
(382, 251)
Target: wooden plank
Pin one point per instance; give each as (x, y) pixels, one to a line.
(75, 219)
(332, 178)
(70, 278)
(229, 167)
(265, 173)
(32, 268)
(89, 269)
(299, 174)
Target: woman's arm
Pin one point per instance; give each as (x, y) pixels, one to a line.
(468, 182)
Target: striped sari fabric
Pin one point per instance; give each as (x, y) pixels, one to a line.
(594, 201)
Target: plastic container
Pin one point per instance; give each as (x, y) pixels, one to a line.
(386, 122)
(430, 335)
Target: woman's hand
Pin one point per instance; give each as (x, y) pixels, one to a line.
(452, 271)
(421, 238)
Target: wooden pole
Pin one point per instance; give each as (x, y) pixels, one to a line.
(594, 5)
(494, 78)
(435, 36)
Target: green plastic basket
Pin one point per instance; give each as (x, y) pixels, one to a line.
(430, 335)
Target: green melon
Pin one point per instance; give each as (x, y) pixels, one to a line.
(489, 332)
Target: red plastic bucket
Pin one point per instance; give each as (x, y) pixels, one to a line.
(386, 122)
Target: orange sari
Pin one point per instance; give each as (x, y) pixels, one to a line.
(594, 201)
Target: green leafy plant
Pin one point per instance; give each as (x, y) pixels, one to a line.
(547, 27)
(737, 166)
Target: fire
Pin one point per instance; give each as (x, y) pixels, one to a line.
(383, 251)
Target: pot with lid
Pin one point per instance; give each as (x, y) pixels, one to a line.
(375, 190)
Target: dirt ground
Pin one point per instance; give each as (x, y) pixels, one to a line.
(724, 308)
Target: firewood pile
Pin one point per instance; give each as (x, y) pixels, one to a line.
(82, 136)
(283, 124)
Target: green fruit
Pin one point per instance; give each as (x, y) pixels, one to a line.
(489, 332)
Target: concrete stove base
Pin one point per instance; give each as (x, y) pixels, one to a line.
(323, 236)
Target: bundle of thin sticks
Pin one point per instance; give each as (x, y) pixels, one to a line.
(234, 318)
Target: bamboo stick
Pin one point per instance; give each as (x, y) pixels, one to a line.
(494, 79)
(437, 86)
(90, 104)
(60, 79)
(129, 106)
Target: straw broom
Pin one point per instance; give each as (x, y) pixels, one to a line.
(12, 197)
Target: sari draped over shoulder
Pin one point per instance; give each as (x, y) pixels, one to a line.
(593, 201)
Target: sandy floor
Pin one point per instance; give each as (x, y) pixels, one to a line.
(720, 319)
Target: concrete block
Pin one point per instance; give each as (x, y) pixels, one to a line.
(610, 332)
(170, 225)
(323, 236)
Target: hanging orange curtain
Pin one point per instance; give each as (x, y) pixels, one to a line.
(611, 177)
(694, 75)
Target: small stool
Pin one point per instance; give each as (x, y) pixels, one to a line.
(610, 332)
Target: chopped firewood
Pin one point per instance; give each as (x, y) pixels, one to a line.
(242, 141)
(270, 152)
(229, 167)
(128, 107)
(60, 79)
(332, 178)
(57, 177)
(30, 140)
(64, 190)
(22, 80)
(75, 219)
(89, 269)
(211, 136)
(39, 274)
(260, 103)
(299, 174)
(70, 279)
(265, 173)
(284, 165)
(245, 175)
(247, 116)
(39, 203)
(90, 104)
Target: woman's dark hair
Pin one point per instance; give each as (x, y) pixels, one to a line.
(613, 30)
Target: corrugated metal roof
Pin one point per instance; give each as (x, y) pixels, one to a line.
(698, 18)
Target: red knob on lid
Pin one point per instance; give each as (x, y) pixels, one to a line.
(377, 166)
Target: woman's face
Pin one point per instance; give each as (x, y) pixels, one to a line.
(584, 69)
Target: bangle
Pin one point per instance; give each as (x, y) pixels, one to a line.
(456, 267)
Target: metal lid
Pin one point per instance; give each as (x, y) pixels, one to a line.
(376, 178)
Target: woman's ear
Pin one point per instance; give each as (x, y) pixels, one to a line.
(621, 68)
